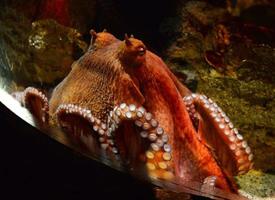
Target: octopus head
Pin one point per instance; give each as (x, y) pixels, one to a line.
(133, 52)
(101, 39)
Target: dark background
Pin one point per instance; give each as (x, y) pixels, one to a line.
(34, 166)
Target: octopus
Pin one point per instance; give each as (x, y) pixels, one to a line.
(134, 107)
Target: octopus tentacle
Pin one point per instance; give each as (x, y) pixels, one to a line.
(217, 130)
(159, 153)
(209, 183)
(210, 180)
(36, 102)
(65, 111)
(190, 107)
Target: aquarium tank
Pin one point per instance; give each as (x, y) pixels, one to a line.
(178, 94)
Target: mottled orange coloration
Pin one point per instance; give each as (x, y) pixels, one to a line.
(113, 80)
(192, 160)
(101, 40)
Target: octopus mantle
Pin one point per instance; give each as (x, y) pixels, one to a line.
(127, 100)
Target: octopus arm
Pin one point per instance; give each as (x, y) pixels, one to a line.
(158, 63)
(125, 90)
(36, 101)
(191, 159)
(217, 131)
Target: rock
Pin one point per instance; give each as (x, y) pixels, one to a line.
(37, 53)
(243, 5)
(256, 185)
(242, 84)
(78, 14)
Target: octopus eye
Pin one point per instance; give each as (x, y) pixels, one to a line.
(141, 51)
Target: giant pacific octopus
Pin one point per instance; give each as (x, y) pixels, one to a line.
(134, 107)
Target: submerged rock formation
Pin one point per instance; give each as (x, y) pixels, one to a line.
(233, 65)
(40, 52)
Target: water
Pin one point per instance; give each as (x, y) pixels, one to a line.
(219, 49)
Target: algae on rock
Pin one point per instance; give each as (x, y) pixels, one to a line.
(245, 89)
(257, 184)
(40, 52)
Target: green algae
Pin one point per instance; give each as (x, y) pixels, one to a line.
(245, 90)
(39, 52)
(257, 184)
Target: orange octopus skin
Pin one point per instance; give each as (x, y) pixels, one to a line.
(191, 158)
(128, 98)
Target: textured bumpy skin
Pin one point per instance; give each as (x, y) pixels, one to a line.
(97, 81)
(191, 158)
(140, 111)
